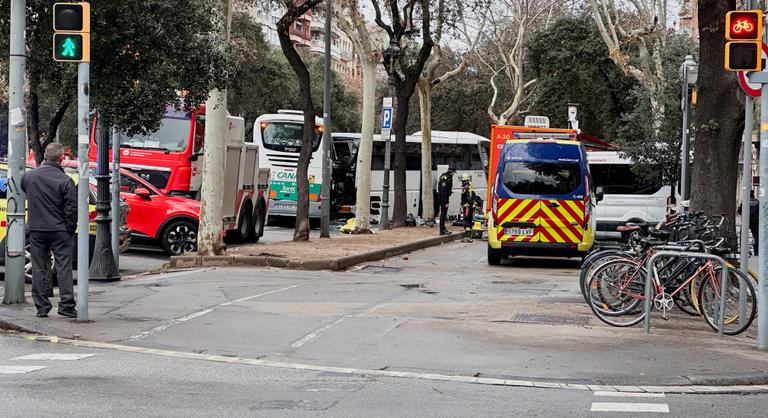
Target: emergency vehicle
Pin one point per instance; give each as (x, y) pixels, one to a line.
(171, 160)
(540, 191)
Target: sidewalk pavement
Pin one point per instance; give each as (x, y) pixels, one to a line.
(441, 311)
(338, 252)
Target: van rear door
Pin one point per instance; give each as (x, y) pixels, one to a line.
(542, 193)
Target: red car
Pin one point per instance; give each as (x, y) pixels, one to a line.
(169, 221)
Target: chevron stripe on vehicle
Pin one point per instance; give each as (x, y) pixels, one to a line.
(558, 221)
(517, 210)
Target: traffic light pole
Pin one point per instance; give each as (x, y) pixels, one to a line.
(762, 280)
(325, 204)
(116, 198)
(83, 139)
(15, 260)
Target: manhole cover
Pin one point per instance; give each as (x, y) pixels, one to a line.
(381, 269)
(548, 319)
(294, 404)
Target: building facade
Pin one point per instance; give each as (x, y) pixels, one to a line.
(689, 19)
(308, 33)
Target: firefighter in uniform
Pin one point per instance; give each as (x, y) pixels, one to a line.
(469, 203)
(444, 189)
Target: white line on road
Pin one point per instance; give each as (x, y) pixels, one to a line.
(19, 369)
(54, 356)
(169, 324)
(193, 315)
(232, 302)
(437, 377)
(629, 394)
(314, 334)
(629, 407)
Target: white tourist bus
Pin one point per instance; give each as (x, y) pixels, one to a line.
(466, 151)
(279, 136)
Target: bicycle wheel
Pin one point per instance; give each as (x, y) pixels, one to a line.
(709, 301)
(591, 263)
(616, 292)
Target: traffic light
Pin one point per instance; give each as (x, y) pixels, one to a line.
(743, 56)
(744, 30)
(744, 25)
(72, 27)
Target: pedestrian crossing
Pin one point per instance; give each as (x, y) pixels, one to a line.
(39, 357)
(646, 406)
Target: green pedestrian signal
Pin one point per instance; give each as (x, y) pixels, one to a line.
(68, 47)
(72, 27)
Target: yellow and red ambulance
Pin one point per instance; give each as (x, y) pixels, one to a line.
(540, 193)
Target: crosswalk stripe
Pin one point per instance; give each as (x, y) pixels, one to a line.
(629, 394)
(629, 407)
(54, 356)
(19, 369)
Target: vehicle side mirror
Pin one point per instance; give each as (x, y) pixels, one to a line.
(194, 156)
(142, 193)
(600, 194)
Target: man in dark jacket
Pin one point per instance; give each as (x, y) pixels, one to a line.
(444, 190)
(52, 222)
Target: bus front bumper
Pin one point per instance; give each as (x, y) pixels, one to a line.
(288, 208)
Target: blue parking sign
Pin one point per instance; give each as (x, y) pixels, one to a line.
(386, 118)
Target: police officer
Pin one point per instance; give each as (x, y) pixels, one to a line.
(469, 203)
(444, 190)
(52, 222)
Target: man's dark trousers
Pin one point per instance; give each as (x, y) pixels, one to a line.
(443, 215)
(61, 244)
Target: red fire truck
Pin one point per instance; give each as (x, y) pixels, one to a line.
(171, 159)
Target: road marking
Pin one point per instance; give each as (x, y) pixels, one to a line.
(316, 333)
(19, 369)
(629, 407)
(232, 302)
(200, 313)
(54, 356)
(629, 394)
(357, 372)
(169, 324)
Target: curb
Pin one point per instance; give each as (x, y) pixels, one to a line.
(334, 264)
(437, 377)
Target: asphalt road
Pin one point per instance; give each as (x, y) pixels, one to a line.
(61, 380)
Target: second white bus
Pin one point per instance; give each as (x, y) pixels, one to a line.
(465, 151)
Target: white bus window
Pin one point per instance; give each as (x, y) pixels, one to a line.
(286, 137)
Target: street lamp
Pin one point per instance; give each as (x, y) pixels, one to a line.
(689, 73)
(103, 265)
(392, 53)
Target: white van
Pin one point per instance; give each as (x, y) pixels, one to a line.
(627, 197)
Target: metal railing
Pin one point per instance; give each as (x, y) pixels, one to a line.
(677, 254)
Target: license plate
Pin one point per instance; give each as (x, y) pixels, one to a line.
(526, 232)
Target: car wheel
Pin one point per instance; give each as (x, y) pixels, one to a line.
(257, 230)
(494, 257)
(239, 235)
(179, 237)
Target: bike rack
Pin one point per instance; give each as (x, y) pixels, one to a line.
(647, 308)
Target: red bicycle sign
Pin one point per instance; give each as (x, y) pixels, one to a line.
(743, 25)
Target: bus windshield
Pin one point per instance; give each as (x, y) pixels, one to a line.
(286, 136)
(173, 136)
